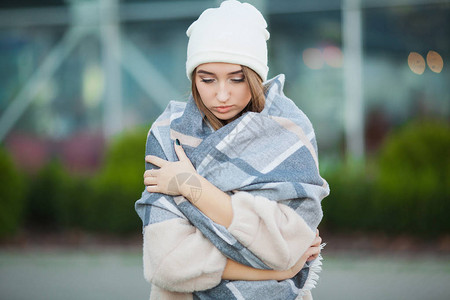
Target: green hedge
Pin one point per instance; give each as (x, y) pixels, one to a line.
(118, 185)
(12, 191)
(47, 199)
(104, 202)
(405, 189)
(414, 178)
(350, 205)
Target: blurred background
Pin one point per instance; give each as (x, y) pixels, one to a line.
(81, 81)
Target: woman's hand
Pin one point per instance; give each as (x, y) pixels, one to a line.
(171, 176)
(310, 254)
(316, 244)
(237, 271)
(181, 178)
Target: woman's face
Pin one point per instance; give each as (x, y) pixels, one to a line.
(223, 89)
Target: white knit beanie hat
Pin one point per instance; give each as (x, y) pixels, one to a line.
(233, 33)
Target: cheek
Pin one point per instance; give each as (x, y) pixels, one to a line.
(203, 92)
(245, 96)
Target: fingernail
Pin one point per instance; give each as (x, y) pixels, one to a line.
(177, 141)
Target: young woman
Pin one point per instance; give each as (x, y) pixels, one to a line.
(233, 192)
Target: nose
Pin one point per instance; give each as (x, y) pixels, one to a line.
(223, 94)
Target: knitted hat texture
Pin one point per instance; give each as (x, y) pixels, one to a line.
(233, 33)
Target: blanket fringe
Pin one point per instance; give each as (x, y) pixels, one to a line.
(313, 276)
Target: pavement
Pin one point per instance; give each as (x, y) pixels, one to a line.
(116, 273)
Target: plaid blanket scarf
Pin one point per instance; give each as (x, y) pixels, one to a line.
(271, 154)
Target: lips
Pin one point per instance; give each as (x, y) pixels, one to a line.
(224, 109)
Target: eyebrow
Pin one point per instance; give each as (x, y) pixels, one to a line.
(211, 73)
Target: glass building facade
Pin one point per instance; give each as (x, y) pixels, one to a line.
(81, 71)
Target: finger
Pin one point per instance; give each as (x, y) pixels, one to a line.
(317, 241)
(180, 151)
(312, 257)
(153, 189)
(151, 173)
(157, 161)
(315, 253)
(312, 251)
(150, 181)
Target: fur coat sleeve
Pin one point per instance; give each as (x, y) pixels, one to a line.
(177, 257)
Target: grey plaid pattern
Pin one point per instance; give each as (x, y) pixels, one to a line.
(271, 154)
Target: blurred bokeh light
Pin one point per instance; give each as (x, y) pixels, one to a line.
(435, 61)
(313, 58)
(416, 63)
(333, 56)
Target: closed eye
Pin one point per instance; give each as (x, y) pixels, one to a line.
(207, 80)
(237, 80)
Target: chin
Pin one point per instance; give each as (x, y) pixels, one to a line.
(226, 118)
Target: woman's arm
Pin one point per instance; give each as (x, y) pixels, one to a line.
(237, 271)
(181, 178)
(272, 231)
(211, 201)
(178, 258)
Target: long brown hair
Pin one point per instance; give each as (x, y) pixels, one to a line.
(256, 103)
